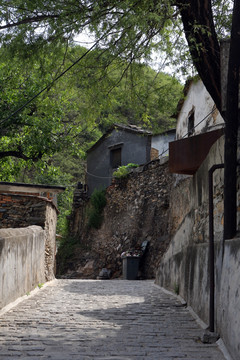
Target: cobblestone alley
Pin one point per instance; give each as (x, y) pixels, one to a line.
(112, 319)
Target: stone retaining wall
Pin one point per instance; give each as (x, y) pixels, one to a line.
(137, 210)
(21, 262)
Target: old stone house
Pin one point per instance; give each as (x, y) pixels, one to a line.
(121, 145)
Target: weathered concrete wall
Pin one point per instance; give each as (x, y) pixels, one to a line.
(18, 211)
(184, 267)
(21, 262)
(50, 241)
(137, 210)
(228, 296)
(199, 102)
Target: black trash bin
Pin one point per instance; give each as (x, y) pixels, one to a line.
(130, 267)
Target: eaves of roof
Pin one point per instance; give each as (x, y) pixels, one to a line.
(129, 128)
(14, 186)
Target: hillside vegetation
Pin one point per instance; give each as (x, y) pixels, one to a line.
(46, 141)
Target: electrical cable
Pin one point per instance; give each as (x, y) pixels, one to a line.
(100, 177)
(50, 84)
(65, 71)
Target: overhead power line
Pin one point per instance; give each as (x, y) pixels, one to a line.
(50, 84)
(65, 71)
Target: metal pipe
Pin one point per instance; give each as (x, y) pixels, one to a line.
(211, 246)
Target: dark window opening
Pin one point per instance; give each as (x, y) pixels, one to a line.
(191, 124)
(116, 158)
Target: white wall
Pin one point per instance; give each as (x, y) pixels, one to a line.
(161, 142)
(199, 100)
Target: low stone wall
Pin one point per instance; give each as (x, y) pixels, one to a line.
(21, 262)
(184, 268)
(22, 210)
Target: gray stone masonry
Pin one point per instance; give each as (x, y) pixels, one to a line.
(111, 319)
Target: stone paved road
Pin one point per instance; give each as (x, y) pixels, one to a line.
(81, 319)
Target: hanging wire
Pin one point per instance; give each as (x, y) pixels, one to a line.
(97, 176)
(66, 70)
(51, 83)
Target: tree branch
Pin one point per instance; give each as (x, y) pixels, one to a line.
(29, 20)
(197, 18)
(20, 155)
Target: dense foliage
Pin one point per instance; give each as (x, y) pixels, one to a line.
(95, 212)
(46, 141)
(130, 30)
(77, 109)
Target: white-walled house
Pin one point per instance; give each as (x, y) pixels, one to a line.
(199, 125)
(197, 112)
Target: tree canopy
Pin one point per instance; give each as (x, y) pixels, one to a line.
(131, 29)
(74, 111)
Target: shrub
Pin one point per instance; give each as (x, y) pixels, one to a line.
(123, 171)
(65, 252)
(98, 199)
(98, 202)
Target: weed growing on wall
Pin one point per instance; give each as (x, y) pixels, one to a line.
(97, 204)
(123, 171)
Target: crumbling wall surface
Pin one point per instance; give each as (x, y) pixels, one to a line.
(50, 241)
(184, 268)
(21, 262)
(137, 210)
(19, 211)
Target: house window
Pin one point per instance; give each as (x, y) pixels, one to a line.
(191, 124)
(116, 157)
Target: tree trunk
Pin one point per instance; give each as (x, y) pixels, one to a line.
(204, 48)
(231, 128)
(203, 44)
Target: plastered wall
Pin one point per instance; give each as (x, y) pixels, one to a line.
(22, 262)
(185, 268)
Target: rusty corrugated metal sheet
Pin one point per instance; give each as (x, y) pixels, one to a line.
(186, 155)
